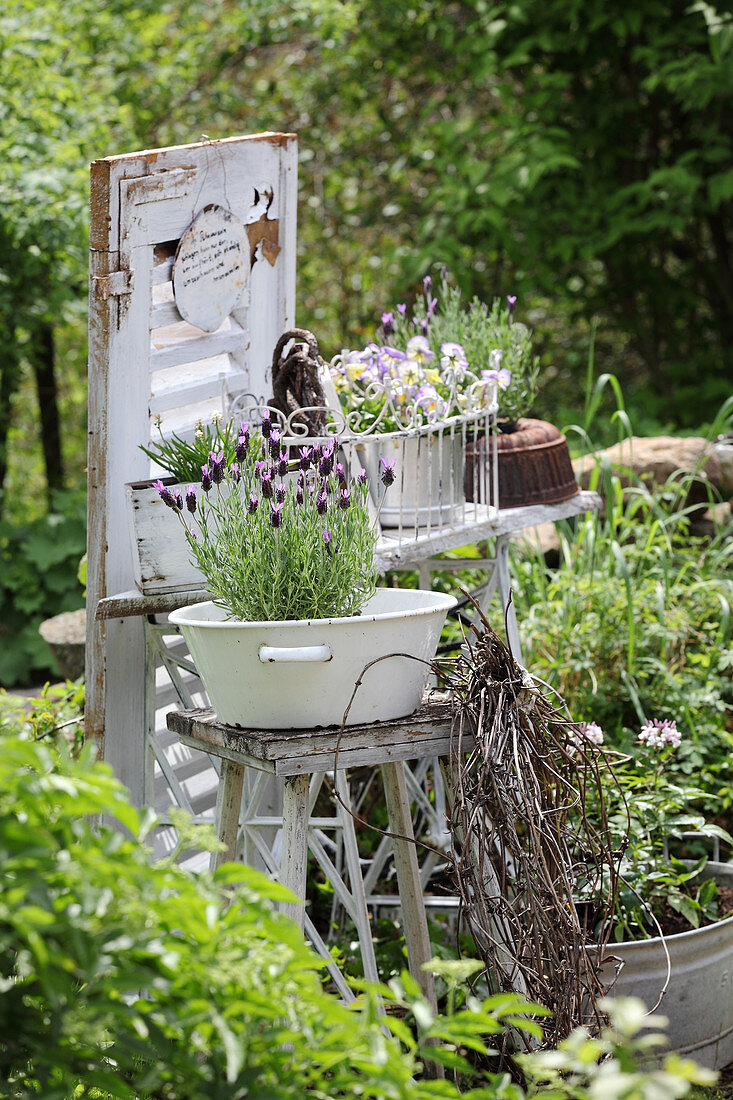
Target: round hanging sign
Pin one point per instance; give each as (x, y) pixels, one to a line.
(210, 268)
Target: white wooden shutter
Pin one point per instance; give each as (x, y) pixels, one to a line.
(145, 361)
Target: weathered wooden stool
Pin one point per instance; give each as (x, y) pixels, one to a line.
(301, 757)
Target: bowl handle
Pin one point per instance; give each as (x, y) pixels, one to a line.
(275, 654)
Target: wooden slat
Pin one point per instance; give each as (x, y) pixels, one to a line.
(179, 392)
(191, 351)
(479, 522)
(133, 603)
(162, 272)
(165, 313)
(292, 752)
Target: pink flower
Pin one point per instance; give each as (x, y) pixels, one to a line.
(658, 734)
(592, 732)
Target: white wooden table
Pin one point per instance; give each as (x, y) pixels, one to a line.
(300, 758)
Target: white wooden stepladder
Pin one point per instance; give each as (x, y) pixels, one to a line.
(145, 361)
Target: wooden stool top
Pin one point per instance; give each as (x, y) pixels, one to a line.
(302, 751)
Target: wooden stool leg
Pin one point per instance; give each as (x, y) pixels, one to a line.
(294, 862)
(408, 878)
(228, 805)
(356, 880)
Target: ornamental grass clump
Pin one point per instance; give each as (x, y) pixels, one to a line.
(279, 537)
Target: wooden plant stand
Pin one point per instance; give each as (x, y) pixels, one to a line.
(300, 758)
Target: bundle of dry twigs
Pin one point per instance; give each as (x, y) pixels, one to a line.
(529, 836)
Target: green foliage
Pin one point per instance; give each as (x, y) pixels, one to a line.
(38, 579)
(138, 979)
(648, 809)
(580, 152)
(183, 459)
(610, 1065)
(58, 712)
(635, 623)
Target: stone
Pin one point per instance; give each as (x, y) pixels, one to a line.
(653, 460)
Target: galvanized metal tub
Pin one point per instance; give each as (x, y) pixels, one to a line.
(699, 998)
(428, 489)
(301, 674)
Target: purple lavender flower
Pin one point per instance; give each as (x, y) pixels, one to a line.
(328, 542)
(362, 477)
(427, 283)
(276, 515)
(327, 459)
(235, 473)
(216, 458)
(321, 504)
(388, 323)
(206, 479)
(191, 499)
(253, 502)
(283, 463)
(242, 443)
(402, 309)
(274, 442)
(280, 493)
(431, 306)
(268, 488)
(345, 500)
(387, 474)
(178, 502)
(424, 326)
(512, 303)
(306, 457)
(165, 494)
(340, 473)
(266, 425)
(299, 497)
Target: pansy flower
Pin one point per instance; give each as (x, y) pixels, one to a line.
(418, 349)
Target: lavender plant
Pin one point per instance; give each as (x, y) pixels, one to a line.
(442, 360)
(279, 537)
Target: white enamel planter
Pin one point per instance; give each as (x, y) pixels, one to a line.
(699, 998)
(301, 674)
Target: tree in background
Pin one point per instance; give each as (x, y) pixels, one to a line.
(576, 154)
(579, 152)
(82, 81)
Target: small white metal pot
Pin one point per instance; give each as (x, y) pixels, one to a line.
(301, 674)
(428, 490)
(699, 998)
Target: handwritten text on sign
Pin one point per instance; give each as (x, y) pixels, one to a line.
(210, 268)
